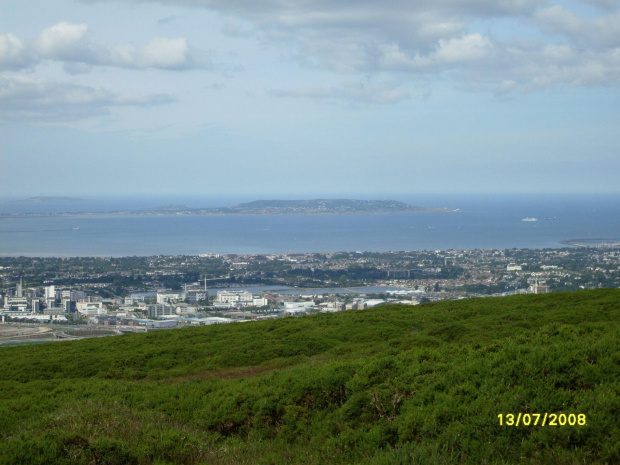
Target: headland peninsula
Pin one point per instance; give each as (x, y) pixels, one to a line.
(272, 207)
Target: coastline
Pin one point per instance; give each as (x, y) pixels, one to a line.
(169, 214)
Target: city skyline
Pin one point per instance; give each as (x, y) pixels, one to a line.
(206, 97)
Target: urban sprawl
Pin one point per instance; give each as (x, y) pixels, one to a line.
(74, 297)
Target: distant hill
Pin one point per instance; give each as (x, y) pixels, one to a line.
(388, 385)
(268, 207)
(322, 206)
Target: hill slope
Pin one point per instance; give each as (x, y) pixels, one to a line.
(382, 386)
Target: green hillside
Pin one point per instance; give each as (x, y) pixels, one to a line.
(389, 385)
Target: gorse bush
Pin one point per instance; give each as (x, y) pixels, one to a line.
(382, 386)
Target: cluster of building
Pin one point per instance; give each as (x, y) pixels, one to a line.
(241, 304)
(409, 276)
(51, 304)
(167, 309)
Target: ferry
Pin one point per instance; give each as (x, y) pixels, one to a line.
(529, 219)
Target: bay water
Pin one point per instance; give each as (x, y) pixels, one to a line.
(484, 222)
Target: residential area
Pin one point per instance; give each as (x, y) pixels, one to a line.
(126, 294)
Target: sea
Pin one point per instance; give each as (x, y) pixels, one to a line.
(483, 222)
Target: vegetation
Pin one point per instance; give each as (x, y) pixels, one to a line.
(390, 385)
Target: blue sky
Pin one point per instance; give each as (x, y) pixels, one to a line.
(216, 97)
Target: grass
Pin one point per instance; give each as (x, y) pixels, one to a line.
(387, 385)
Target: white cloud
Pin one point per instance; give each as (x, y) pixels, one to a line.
(31, 99)
(70, 44)
(452, 53)
(355, 93)
(410, 39)
(13, 54)
(505, 86)
(415, 39)
(603, 31)
(415, 26)
(158, 53)
(166, 53)
(469, 48)
(606, 4)
(64, 41)
(555, 65)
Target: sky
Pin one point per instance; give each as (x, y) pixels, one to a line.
(323, 97)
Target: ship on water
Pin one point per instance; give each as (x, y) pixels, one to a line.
(529, 219)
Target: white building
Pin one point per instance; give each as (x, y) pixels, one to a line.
(214, 320)
(161, 324)
(296, 311)
(261, 302)
(50, 292)
(298, 305)
(50, 296)
(38, 317)
(238, 299)
(196, 296)
(538, 289)
(91, 308)
(19, 304)
(167, 298)
(157, 310)
(223, 305)
(373, 302)
(235, 297)
(181, 309)
(139, 297)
